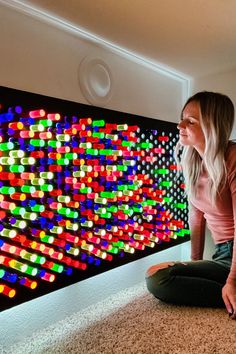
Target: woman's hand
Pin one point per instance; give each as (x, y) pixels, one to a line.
(229, 297)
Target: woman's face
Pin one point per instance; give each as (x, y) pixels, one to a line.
(190, 130)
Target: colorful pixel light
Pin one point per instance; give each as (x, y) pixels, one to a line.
(78, 192)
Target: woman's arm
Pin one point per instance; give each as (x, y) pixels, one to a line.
(229, 290)
(197, 224)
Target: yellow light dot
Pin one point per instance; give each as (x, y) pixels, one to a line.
(42, 247)
(33, 285)
(12, 293)
(12, 249)
(51, 278)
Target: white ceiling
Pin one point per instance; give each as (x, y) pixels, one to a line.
(195, 37)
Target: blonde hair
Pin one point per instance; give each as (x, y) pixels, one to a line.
(216, 120)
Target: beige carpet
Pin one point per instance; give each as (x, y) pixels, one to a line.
(134, 322)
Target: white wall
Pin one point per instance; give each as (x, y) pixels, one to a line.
(38, 57)
(42, 58)
(223, 82)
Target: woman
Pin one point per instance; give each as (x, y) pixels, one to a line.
(208, 161)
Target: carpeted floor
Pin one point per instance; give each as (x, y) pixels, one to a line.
(134, 322)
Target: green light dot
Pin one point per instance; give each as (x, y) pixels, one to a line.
(6, 146)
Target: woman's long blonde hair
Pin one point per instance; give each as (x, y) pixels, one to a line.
(216, 119)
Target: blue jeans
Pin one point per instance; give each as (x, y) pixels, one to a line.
(197, 283)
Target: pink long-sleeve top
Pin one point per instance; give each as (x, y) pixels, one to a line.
(220, 217)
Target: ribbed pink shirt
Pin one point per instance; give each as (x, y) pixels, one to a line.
(220, 217)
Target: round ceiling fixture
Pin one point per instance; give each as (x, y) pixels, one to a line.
(95, 81)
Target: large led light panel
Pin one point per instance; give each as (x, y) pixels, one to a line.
(82, 190)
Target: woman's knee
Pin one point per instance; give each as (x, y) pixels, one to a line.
(156, 267)
(157, 283)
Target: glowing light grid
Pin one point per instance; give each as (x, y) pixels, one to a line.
(78, 192)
